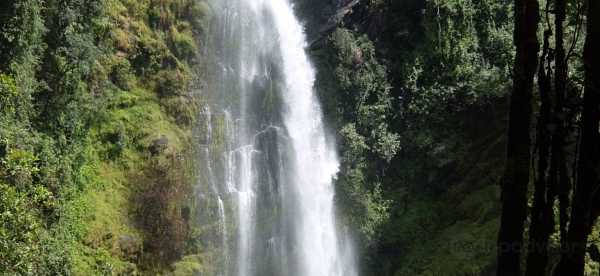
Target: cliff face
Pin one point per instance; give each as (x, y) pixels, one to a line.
(96, 120)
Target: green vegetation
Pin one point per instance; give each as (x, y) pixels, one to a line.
(418, 91)
(95, 123)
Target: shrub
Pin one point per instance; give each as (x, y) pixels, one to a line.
(122, 75)
(184, 45)
(172, 83)
(9, 95)
(19, 168)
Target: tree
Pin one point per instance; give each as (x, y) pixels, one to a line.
(516, 174)
(550, 138)
(560, 180)
(541, 219)
(583, 210)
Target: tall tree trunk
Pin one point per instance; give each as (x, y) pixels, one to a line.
(588, 180)
(537, 257)
(518, 156)
(592, 62)
(559, 166)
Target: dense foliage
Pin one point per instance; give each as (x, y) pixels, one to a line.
(418, 91)
(86, 90)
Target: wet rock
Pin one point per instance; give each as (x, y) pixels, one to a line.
(159, 145)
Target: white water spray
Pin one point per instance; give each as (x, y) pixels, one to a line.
(279, 165)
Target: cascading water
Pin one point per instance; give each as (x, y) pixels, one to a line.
(212, 181)
(213, 184)
(276, 164)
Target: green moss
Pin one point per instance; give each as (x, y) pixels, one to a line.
(189, 266)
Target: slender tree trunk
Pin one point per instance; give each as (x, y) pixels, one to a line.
(564, 191)
(537, 257)
(588, 181)
(518, 156)
(559, 166)
(592, 57)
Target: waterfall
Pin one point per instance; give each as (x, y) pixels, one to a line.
(212, 182)
(276, 161)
